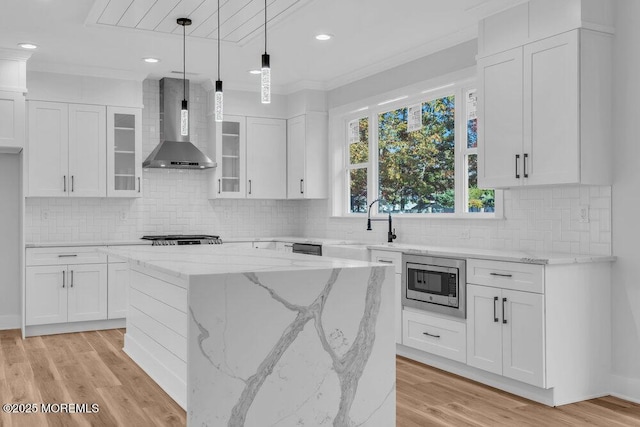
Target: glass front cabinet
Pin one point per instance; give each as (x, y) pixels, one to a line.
(124, 152)
(228, 178)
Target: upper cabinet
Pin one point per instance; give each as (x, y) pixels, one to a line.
(12, 120)
(537, 124)
(124, 152)
(307, 156)
(66, 153)
(266, 158)
(251, 155)
(228, 179)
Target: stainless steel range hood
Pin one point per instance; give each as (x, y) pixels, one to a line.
(174, 151)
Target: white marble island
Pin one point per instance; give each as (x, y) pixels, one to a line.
(263, 338)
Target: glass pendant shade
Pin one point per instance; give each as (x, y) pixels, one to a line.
(219, 105)
(266, 80)
(184, 119)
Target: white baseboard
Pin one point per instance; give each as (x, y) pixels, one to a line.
(10, 321)
(65, 328)
(625, 388)
(165, 378)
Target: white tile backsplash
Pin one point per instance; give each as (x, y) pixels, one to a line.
(536, 219)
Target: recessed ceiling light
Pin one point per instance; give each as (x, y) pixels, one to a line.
(28, 45)
(255, 71)
(324, 37)
(151, 60)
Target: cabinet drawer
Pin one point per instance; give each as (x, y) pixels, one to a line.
(436, 335)
(65, 255)
(388, 257)
(506, 275)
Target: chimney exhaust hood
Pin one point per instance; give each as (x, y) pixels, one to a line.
(174, 151)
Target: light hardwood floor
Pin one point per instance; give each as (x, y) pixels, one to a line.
(91, 367)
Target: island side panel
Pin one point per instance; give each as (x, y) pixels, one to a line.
(287, 348)
(156, 336)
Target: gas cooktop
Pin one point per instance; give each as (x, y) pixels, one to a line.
(183, 239)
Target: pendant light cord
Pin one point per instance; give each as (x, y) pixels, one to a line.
(265, 26)
(218, 39)
(184, 62)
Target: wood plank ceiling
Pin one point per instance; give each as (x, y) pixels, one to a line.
(240, 20)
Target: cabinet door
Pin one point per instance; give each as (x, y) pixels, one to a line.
(124, 152)
(87, 287)
(87, 150)
(46, 295)
(551, 110)
(398, 307)
(484, 328)
(500, 128)
(266, 158)
(12, 114)
(296, 131)
(48, 149)
(230, 175)
(523, 337)
(118, 277)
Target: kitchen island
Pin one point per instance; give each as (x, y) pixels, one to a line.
(246, 337)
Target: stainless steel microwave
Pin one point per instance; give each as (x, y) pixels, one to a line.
(434, 284)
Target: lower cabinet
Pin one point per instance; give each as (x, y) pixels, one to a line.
(434, 334)
(118, 295)
(505, 333)
(394, 258)
(66, 293)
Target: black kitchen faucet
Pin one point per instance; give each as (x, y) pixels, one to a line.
(391, 234)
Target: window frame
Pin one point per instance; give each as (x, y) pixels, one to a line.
(425, 92)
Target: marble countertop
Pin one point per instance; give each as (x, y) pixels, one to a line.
(81, 244)
(187, 261)
(497, 255)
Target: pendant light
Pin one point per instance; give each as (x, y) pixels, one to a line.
(219, 96)
(184, 110)
(266, 67)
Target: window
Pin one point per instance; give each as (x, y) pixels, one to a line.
(418, 154)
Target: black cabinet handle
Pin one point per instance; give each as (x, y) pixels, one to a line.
(495, 314)
(72, 181)
(219, 187)
(302, 186)
(431, 335)
(504, 317)
(386, 261)
(67, 255)
(524, 165)
(501, 275)
(63, 277)
(139, 186)
(71, 279)
(64, 178)
(517, 158)
(249, 186)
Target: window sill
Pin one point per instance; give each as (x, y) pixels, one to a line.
(482, 216)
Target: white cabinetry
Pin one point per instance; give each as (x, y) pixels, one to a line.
(70, 289)
(394, 258)
(536, 125)
(12, 122)
(66, 150)
(434, 334)
(251, 157)
(307, 156)
(118, 294)
(266, 158)
(124, 152)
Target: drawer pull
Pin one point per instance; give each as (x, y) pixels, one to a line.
(431, 335)
(67, 255)
(71, 279)
(386, 261)
(495, 314)
(504, 317)
(501, 275)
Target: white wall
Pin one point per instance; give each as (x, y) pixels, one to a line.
(174, 201)
(626, 202)
(10, 246)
